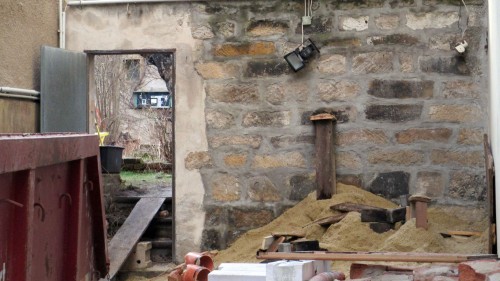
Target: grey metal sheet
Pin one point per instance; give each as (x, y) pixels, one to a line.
(63, 95)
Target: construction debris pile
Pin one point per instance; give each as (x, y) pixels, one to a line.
(351, 234)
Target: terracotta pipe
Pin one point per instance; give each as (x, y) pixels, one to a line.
(329, 276)
(195, 273)
(200, 259)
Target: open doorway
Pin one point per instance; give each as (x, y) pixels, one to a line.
(131, 105)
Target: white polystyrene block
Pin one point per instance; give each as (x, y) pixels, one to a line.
(290, 271)
(258, 267)
(229, 275)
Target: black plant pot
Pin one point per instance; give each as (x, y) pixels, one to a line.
(111, 159)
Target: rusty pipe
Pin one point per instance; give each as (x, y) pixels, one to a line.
(329, 276)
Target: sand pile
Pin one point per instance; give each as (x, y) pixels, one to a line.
(350, 234)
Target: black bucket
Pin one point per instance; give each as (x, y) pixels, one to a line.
(111, 159)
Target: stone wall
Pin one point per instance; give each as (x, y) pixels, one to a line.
(411, 111)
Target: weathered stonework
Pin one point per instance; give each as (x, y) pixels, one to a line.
(458, 158)
(418, 135)
(248, 49)
(301, 185)
(333, 64)
(374, 62)
(471, 136)
(455, 113)
(197, 160)
(219, 120)
(247, 140)
(387, 22)
(215, 70)
(467, 186)
(338, 91)
(233, 93)
(391, 185)
(291, 159)
(400, 157)
(235, 160)
(460, 89)
(267, 28)
(430, 184)
(266, 119)
(351, 23)
(225, 188)
(248, 218)
(261, 189)
(348, 160)
(393, 113)
(391, 89)
(431, 20)
(363, 136)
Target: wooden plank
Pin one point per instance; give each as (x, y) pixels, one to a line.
(274, 246)
(374, 256)
(293, 234)
(328, 220)
(353, 207)
(131, 231)
(325, 159)
(490, 193)
(461, 233)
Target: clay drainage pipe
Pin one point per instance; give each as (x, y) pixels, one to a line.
(199, 259)
(195, 273)
(328, 276)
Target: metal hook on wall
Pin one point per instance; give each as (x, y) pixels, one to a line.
(41, 208)
(65, 195)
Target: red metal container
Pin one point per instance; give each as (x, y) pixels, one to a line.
(52, 223)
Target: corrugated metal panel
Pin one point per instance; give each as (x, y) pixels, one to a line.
(64, 102)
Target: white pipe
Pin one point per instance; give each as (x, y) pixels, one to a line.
(107, 2)
(494, 54)
(14, 96)
(19, 91)
(62, 23)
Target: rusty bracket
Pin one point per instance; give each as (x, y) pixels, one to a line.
(65, 195)
(12, 202)
(42, 209)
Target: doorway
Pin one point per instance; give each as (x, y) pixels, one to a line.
(131, 104)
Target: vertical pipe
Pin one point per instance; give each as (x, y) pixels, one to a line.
(494, 55)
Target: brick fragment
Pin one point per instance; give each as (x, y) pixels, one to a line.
(245, 49)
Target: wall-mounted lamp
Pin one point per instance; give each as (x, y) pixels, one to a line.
(298, 58)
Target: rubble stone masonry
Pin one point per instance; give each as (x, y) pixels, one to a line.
(411, 111)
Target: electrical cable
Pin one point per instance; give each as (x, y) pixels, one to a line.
(467, 23)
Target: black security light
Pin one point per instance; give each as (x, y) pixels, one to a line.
(298, 58)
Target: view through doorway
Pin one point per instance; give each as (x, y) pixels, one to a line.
(131, 101)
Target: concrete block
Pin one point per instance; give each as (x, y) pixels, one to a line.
(256, 267)
(292, 270)
(140, 257)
